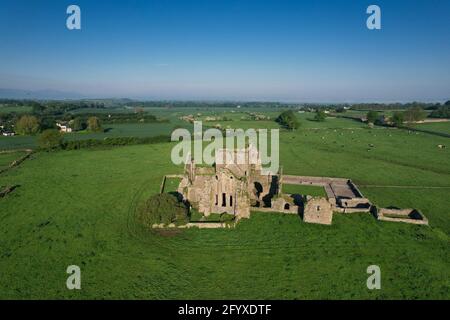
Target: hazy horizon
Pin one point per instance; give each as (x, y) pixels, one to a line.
(49, 94)
(286, 51)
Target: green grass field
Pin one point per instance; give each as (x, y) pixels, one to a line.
(76, 207)
(111, 130)
(304, 190)
(6, 158)
(171, 185)
(17, 109)
(442, 127)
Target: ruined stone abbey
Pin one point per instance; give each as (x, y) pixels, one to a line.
(226, 187)
(239, 186)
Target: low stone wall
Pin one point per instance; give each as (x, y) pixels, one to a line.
(6, 191)
(355, 205)
(174, 176)
(200, 225)
(398, 212)
(404, 215)
(334, 187)
(412, 221)
(271, 210)
(330, 193)
(15, 163)
(355, 189)
(169, 176)
(307, 180)
(209, 225)
(436, 133)
(163, 183)
(354, 210)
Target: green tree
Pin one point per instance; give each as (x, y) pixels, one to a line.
(27, 125)
(162, 208)
(372, 116)
(442, 112)
(398, 118)
(37, 107)
(320, 116)
(288, 120)
(50, 139)
(78, 124)
(47, 123)
(94, 124)
(414, 114)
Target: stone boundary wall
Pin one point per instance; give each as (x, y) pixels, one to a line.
(403, 215)
(200, 225)
(6, 191)
(436, 133)
(412, 221)
(330, 193)
(334, 187)
(355, 189)
(399, 212)
(15, 150)
(15, 163)
(173, 176)
(163, 183)
(352, 210)
(208, 225)
(271, 210)
(309, 180)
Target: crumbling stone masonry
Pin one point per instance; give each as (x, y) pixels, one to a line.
(318, 210)
(238, 187)
(228, 187)
(401, 215)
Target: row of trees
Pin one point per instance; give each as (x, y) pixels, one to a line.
(52, 139)
(138, 116)
(61, 107)
(320, 115)
(398, 106)
(288, 119)
(442, 112)
(30, 125)
(398, 118)
(414, 114)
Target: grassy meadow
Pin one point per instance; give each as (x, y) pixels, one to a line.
(314, 191)
(441, 127)
(17, 109)
(8, 157)
(111, 131)
(77, 207)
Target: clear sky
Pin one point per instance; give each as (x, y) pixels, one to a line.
(229, 50)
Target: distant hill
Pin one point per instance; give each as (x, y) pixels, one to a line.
(38, 94)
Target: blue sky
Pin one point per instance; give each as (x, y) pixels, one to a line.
(302, 51)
